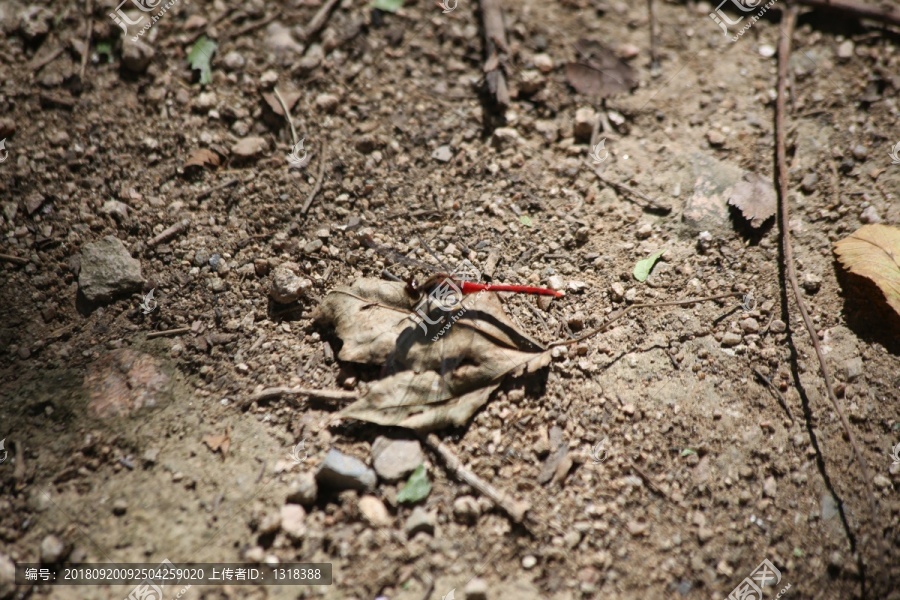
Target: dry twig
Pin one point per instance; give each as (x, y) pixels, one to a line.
(647, 204)
(14, 259)
(781, 176)
(169, 232)
(516, 509)
(276, 392)
(885, 12)
(287, 115)
(168, 332)
(320, 178)
(318, 21)
(496, 51)
(775, 391)
(87, 40)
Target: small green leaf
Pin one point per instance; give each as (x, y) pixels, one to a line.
(390, 6)
(417, 488)
(105, 49)
(688, 452)
(525, 220)
(643, 267)
(200, 56)
(798, 553)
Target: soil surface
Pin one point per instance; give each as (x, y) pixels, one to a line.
(682, 469)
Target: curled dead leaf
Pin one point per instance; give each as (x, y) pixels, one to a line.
(435, 375)
(873, 252)
(203, 157)
(598, 71)
(219, 443)
(755, 198)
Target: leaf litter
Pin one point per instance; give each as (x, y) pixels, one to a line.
(873, 252)
(755, 197)
(435, 376)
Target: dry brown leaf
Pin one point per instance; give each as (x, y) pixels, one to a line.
(873, 252)
(427, 384)
(290, 99)
(755, 198)
(220, 443)
(598, 71)
(203, 157)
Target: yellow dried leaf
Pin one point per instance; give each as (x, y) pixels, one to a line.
(873, 252)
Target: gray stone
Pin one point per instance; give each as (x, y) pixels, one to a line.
(442, 154)
(304, 489)
(53, 550)
(707, 208)
(778, 326)
(476, 589)
(506, 137)
(286, 286)
(881, 481)
(811, 283)
(108, 271)
(853, 368)
(617, 291)
(731, 339)
(117, 210)
(750, 325)
(420, 520)
(583, 127)
(395, 459)
(829, 507)
(809, 183)
(327, 102)
(344, 472)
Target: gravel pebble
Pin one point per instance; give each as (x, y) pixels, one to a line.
(374, 512)
(393, 460)
(342, 472)
(528, 561)
(53, 550)
(420, 520)
(304, 489)
(466, 509)
(476, 589)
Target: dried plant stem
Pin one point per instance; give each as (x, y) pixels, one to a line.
(287, 116)
(775, 391)
(87, 39)
(169, 232)
(318, 21)
(496, 51)
(648, 203)
(320, 178)
(627, 309)
(14, 259)
(276, 392)
(885, 12)
(516, 509)
(781, 175)
(168, 332)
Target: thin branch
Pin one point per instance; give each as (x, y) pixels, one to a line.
(87, 40)
(14, 259)
(885, 12)
(648, 203)
(516, 509)
(170, 232)
(496, 50)
(627, 309)
(654, 51)
(775, 391)
(287, 115)
(320, 178)
(781, 175)
(168, 332)
(277, 392)
(318, 21)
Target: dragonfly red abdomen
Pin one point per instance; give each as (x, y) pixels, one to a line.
(472, 288)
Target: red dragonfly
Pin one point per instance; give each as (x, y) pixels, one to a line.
(416, 290)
